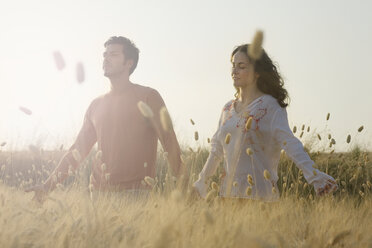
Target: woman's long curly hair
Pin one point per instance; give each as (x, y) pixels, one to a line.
(269, 81)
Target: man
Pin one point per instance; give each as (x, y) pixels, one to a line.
(125, 123)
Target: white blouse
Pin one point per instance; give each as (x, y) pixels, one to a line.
(268, 135)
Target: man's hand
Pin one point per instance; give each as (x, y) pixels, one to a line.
(40, 192)
(194, 194)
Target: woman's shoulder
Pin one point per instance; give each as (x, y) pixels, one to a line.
(271, 102)
(229, 105)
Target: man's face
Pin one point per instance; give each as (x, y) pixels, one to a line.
(114, 62)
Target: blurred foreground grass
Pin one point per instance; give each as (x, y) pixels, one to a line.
(171, 218)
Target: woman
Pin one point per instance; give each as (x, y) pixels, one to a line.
(252, 130)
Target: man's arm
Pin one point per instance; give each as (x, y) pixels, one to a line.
(71, 160)
(166, 135)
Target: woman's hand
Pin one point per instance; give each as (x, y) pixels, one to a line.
(330, 187)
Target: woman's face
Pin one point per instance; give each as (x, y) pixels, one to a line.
(242, 71)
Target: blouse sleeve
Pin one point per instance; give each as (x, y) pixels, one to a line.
(283, 135)
(214, 159)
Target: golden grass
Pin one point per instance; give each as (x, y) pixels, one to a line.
(171, 218)
(70, 219)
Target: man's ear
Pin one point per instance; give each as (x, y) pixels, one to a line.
(129, 63)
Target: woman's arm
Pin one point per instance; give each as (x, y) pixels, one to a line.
(283, 135)
(214, 159)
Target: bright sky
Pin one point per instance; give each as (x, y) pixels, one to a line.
(323, 49)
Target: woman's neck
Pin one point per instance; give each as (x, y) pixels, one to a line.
(249, 94)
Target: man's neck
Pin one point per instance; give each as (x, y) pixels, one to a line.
(119, 84)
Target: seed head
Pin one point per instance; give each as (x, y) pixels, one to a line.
(58, 59)
(165, 119)
(80, 75)
(360, 129)
(25, 110)
(320, 138)
(208, 140)
(255, 49)
(250, 180)
(248, 190)
(150, 181)
(267, 175)
(248, 124)
(352, 179)
(333, 141)
(348, 139)
(227, 138)
(99, 155)
(282, 152)
(145, 109)
(235, 184)
(76, 155)
(196, 136)
(3, 144)
(303, 127)
(192, 122)
(214, 186)
(308, 129)
(294, 129)
(249, 151)
(328, 115)
(369, 184)
(302, 133)
(305, 185)
(183, 160)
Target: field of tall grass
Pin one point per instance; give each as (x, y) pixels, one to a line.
(173, 217)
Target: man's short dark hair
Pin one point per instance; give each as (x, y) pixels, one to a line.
(129, 48)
